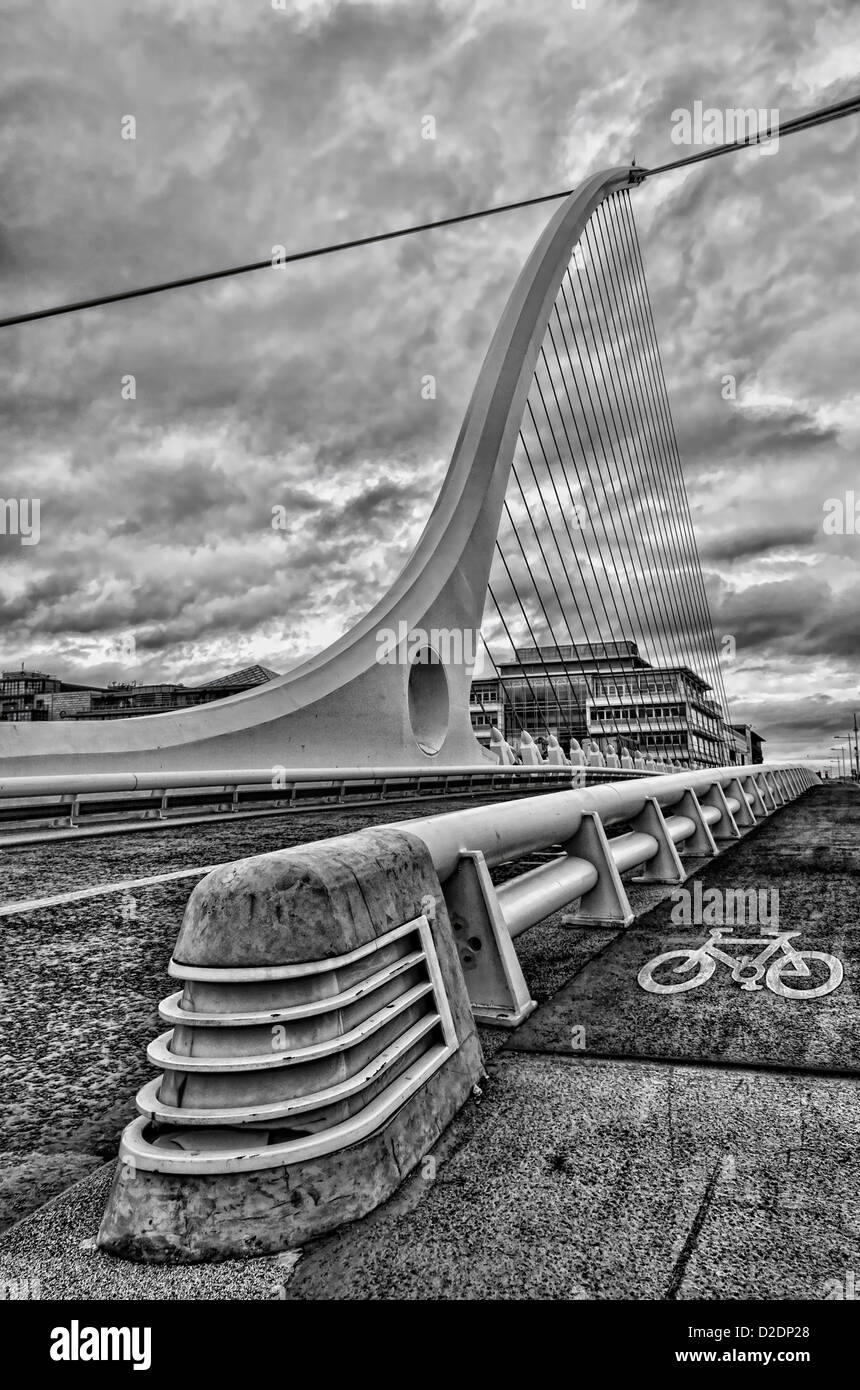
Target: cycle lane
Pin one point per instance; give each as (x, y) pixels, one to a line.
(607, 1162)
(798, 873)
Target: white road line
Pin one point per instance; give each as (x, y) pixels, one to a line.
(81, 894)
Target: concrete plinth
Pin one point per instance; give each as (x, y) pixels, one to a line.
(279, 921)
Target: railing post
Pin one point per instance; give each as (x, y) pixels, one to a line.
(494, 977)
(726, 827)
(666, 866)
(759, 808)
(701, 842)
(770, 783)
(766, 792)
(744, 817)
(607, 902)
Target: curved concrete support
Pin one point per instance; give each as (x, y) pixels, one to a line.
(377, 694)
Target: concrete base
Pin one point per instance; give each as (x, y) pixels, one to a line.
(168, 1218)
(292, 908)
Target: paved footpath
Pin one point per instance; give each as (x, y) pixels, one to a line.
(702, 1143)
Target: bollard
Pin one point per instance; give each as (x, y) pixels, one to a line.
(530, 754)
(320, 1043)
(555, 753)
(501, 749)
(578, 756)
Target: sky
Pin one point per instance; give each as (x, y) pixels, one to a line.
(259, 125)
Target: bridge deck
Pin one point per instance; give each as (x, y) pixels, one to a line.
(717, 1128)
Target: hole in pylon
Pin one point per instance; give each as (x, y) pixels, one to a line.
(429, 703)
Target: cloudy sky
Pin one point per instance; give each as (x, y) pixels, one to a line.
(258, 126)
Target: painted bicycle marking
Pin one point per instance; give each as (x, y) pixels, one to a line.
(787, 966)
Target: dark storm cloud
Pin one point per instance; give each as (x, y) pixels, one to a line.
(301, 388)
(756, 541)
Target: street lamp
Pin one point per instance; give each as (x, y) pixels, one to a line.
(852, 758)
(842, 738)
(840, 759)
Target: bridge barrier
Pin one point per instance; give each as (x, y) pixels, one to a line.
(320, 1042)
(324, 1031)
(35, 808)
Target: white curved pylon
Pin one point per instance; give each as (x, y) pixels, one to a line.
(364, 700)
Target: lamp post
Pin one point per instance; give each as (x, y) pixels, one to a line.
(840, 759)
(850, 759)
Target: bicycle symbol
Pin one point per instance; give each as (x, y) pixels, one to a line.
(747, 970)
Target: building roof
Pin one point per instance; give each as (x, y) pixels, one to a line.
(43, 676)
(744, 728)
(573, 651)
(248, 676)
(539, 659)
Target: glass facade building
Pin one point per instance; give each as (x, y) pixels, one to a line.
(606, 692)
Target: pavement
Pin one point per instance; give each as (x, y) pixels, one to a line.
(82, 979)
(798, 872)
(628, 1144)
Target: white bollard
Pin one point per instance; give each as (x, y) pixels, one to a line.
(555, 754)
(530, 754)
(593, 755)
(501, 750)
(577, 756)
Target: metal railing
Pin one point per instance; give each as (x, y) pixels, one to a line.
(34, 808)
(284, 1046)
(503, 832)
(325, 1031)
(697, 811)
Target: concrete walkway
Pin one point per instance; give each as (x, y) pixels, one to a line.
(702, 1144)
